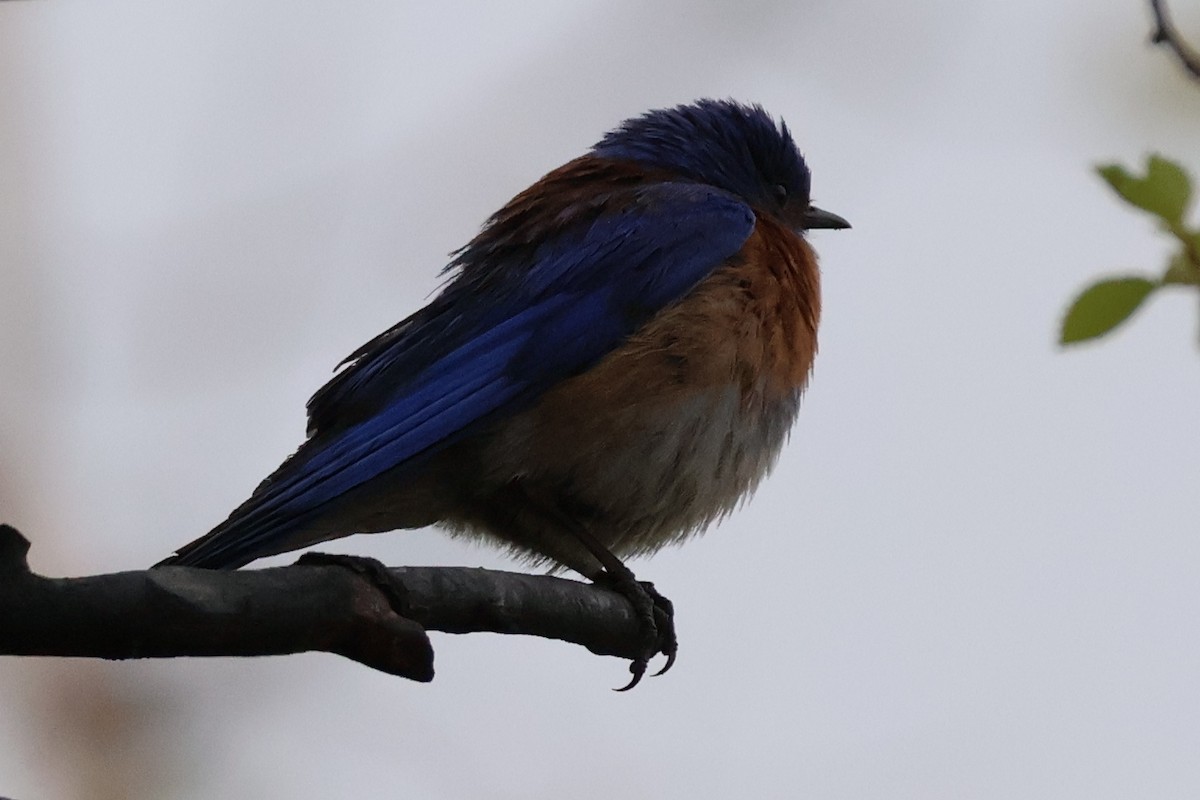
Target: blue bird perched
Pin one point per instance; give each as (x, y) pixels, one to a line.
(615, 362)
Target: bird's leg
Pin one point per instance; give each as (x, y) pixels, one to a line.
(654, 611)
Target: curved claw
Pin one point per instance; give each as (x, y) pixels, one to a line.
(664, 619)
(656, 615)
(638, 668)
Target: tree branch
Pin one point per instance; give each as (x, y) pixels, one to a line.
(1166, 34)
(181, 611)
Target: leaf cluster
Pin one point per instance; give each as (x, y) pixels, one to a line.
(1164, 191)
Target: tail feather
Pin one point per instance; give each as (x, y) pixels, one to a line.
(257, 528)
(217, 549)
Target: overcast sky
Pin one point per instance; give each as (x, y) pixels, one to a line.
(974, 572)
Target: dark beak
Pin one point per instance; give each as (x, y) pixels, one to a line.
(817, 218)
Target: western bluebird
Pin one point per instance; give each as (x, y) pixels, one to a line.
(614, 364)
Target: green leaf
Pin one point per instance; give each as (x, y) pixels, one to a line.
(1164, 191)
(1103, 306)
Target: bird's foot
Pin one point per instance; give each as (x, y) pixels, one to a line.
(372, 570)
(656, 619)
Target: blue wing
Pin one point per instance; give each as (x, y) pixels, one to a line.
(490, 343)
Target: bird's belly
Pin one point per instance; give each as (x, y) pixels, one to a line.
(651, 476)
(642, 475)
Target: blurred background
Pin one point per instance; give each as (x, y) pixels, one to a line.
(974, 572)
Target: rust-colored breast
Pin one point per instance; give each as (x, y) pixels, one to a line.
(773, 290)
(752, 324)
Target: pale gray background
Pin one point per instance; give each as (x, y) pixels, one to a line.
(974, 573)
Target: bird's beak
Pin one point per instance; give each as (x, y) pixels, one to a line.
(817, 218)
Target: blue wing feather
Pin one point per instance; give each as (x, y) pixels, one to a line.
(469, 356)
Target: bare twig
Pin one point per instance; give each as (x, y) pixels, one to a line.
(1165, 33)
(182, 611)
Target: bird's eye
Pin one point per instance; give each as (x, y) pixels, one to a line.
(781, 193)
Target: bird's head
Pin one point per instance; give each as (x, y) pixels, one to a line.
(732, 146)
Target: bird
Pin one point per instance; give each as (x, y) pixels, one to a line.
(613, 364)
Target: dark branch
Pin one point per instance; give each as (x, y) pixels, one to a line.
(181, 611)
(1165, 33)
